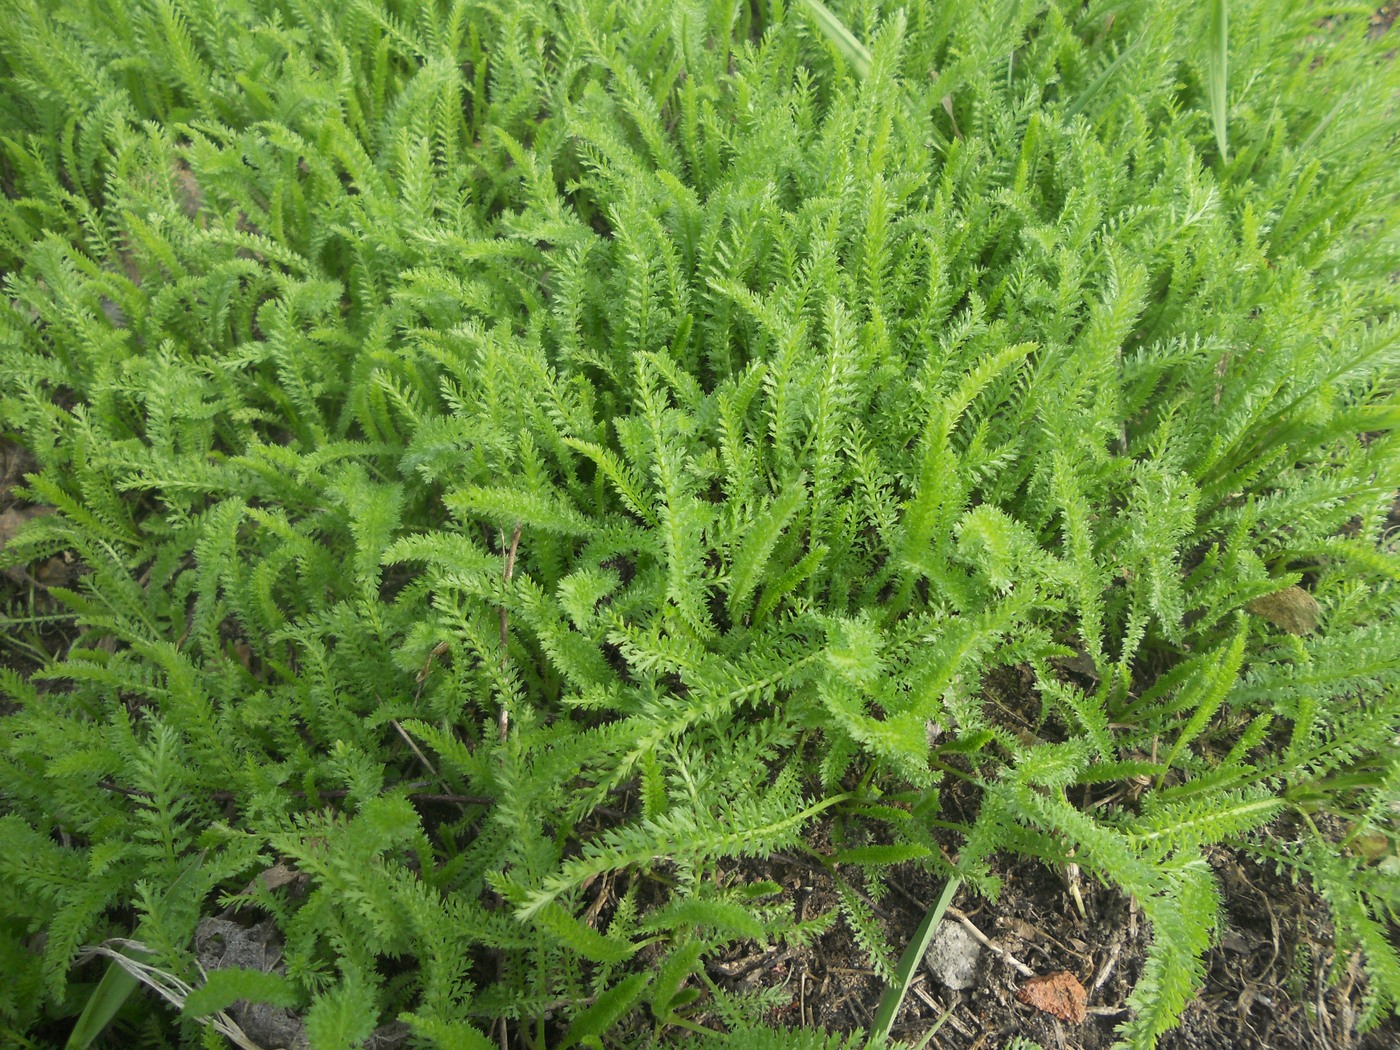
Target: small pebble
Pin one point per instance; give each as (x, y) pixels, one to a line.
(952, 956)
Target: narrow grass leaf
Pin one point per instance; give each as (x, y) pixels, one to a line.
(1217, 69)
(909, 963)
(851, 49)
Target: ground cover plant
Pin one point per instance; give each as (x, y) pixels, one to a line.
(503, 470)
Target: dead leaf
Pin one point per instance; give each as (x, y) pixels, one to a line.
(1293, 609)
(275, 877)
(187, 192)
(1022, 929)
(1233, 941)
(1058, 994)
(1080, 663)
(948, 108)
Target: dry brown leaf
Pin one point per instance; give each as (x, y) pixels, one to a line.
(1024, 930)
(948, 108)
(187, 192)
(1080, 663)
(1058, 994)
(1293, 609)
(280, 874)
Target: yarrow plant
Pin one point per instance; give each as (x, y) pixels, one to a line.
(524, 458)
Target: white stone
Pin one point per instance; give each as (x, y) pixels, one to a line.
(952, 956)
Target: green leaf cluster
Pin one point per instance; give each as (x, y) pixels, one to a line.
(530, 462)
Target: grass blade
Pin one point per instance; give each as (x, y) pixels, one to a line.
(852, 50)
(107, 998)
(117, 983)
(909, 965)
(1217, 68)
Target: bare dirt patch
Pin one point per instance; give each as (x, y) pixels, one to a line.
(1267, 984)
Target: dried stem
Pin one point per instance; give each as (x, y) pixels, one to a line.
(1015, 963)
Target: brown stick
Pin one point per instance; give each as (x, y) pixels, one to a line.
(1015, 963)
(413, 745)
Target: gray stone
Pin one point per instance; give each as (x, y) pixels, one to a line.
(219, 943)
(952, 956)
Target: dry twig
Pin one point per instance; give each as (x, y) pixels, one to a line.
(1015, 963)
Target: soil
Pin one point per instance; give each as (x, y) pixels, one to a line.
(1383, 18)
(1267, 985)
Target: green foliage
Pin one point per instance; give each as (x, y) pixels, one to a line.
(521, 459)
(226, 986)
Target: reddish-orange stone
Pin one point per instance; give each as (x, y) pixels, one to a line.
(1058, 994)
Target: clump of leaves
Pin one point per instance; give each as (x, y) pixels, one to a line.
(525, 458)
